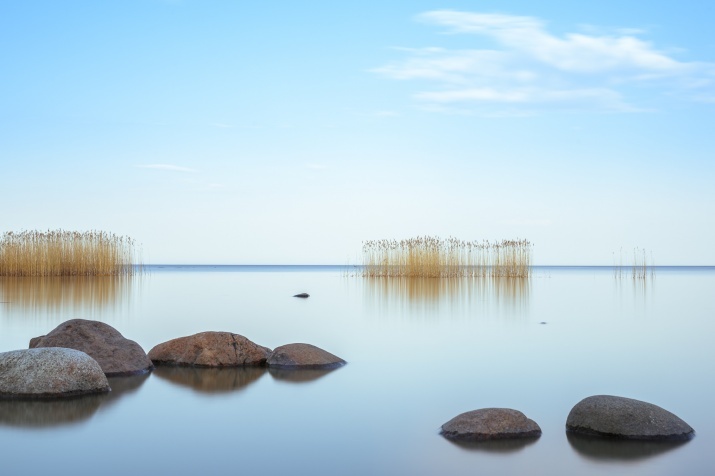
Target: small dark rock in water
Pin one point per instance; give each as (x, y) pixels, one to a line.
(210, 349)
(117, 355)
(542, 322)
(618, 417)
(490, 424)
(49, 373)
(303, 356)
(302, 295)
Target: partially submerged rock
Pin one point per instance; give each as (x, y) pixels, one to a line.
(116, 355)
(490, 424)
(210, 349)
(618, 417)
(49, 373)
(303, 356)
(302, 295)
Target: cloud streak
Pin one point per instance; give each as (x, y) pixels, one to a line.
(531, 67)
(167, 167)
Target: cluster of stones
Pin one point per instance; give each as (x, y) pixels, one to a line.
(77, 357)
(604, 416)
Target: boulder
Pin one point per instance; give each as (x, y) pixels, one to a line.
(302, 295)
(116, 355)
(625, 418)
(210, 349)
(49, 373)
(303, 356)
(490, 424)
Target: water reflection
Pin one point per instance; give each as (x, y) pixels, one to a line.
(298, 375)
(210, 380)
(606, 449)
(67, 411)
(83, 295)
(433, 294)
(511, 445)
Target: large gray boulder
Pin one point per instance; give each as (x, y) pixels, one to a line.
(210, 349)
(117, 355)
(303, 356)
(618, 417)
(49, 373)
(490, 424)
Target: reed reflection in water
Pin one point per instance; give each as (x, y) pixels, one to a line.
(84, 295)
(432, 294)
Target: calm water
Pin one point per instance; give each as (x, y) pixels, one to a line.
(419, 353)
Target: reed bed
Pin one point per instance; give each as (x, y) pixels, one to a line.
(67, 253)
(640, 267)
(433, 257)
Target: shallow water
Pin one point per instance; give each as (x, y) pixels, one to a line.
(419, 353)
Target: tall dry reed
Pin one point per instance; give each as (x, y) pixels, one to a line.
(432, 257)
(67, 253)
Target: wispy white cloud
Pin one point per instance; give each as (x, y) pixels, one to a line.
(387, 114)
(531, 66)
(169, 167)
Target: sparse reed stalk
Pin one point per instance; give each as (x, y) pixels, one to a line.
(640, 268)
(67, 253)
(432, 257)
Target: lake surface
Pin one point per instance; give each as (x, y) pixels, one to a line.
(420, 352)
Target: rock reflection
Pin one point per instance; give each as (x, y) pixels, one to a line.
(123, 386)
(66, 411)
(510, 445)
(606, 449)
(431, 294)
(298, 375)
(24, 296)
(210, 380)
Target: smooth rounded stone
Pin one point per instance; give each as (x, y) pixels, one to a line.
(210, 349)
(302, 295)
(117, 355)
(619, 417)
(303, 356)
(490, 424)
(49, 373)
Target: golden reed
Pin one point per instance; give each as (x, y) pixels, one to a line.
(67, 253)
(432, 257)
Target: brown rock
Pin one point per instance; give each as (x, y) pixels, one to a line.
(303, 356)
(49, 373)
(490, 424)
(115, 354)
(210, 349)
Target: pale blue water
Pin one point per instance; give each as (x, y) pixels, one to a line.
(419, 353)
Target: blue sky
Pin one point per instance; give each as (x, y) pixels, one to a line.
(288, 132)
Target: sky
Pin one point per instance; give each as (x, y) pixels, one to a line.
(285, 132)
